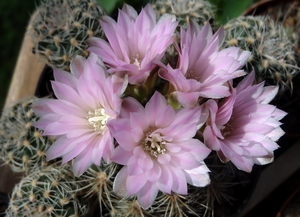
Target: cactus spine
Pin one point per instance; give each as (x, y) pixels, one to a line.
(201, 11)
(61, 28)
(22, 146)
(273, 55)
(48, 192)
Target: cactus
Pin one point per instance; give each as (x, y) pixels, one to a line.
(96, 183)
(48, 192)
(288, 14)
(22, 146)
(60, 31)
(127, 207)
(273, 55)
(61, 28)
(201, 11)
(175, 205)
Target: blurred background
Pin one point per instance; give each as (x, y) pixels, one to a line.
(15, 14)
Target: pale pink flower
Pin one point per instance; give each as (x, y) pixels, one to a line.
(87, 99)
(203, 70)
(243, 128)
(157, 149)
(134, 42)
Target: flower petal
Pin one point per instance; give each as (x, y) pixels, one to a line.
(119, 186)
(147, 195)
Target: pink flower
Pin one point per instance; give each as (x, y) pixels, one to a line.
(156, 146)
(87, 99)
(203, 70)
(134, 42)
(243, 128)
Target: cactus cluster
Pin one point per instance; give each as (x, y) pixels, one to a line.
(288, 13)
(97, 183)
(61, 28)
(48, 192)
(22, 145)
(48, 189)
(54, 191)
(200, 11)
(273, 54)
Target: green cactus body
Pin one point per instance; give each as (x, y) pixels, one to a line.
(61, 28)
(201, 11)
(173, 205)
(96, 184)
(48, 192)
(273, 54)
(287, 13)
(22, 146)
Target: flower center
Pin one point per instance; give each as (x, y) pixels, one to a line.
(98, 119)
(136, 60)
(137, 63)
(154, 144)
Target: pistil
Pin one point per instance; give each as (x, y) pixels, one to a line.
(98, 119)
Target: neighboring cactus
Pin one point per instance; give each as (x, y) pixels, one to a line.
(97, 182)
(273, 54)
(287, 13)
(22, 146)
(173, 205)
(49, 192)
(61, 28)
(176, 205)
(199, 10)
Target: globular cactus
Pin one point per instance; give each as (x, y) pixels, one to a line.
(273, 54)
(287, 13)
(176, 205)
(22, 146)
(61, 28)
(199, 10)
(50, 192)
(172, 205)
(96, 184)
